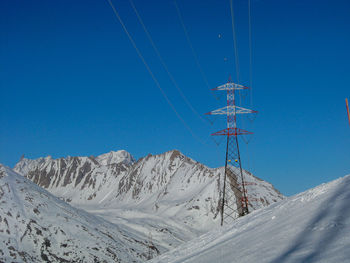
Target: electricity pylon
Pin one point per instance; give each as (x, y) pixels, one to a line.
(234, 201)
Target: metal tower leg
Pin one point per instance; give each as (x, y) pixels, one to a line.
(234, 201)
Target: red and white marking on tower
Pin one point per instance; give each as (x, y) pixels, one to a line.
(234, 201)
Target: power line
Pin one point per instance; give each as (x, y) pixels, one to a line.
(190, 44)
(163, 62)
(234, 41)
(250, 54)
(194, 53)
(235, 47)
(151, 73)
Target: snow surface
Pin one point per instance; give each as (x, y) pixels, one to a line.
(36, 226)
(169, 185)
(168, 201)
(169, 196)
(313, 226)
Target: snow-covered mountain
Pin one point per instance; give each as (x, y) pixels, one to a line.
(36, 226)
(166, 200)
(313, 226)
(169, 185)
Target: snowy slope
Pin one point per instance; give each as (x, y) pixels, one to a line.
(313, 226)
(169, 186)
(35, 226)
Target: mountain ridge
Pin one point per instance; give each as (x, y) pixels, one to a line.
(168, 184)
(36, 226)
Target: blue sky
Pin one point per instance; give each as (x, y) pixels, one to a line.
(72, 84)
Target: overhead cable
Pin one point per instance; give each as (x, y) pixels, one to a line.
(163, 62)
(234, 41)
(151, 73)
(250, 54)
(195, 56)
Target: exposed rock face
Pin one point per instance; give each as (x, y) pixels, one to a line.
(169, 184)
(50, 173)
(36, 226)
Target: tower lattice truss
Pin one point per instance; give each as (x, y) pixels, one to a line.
(233, 201)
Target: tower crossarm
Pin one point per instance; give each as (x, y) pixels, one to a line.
(234, 200)
(231, 110)
(230, 86)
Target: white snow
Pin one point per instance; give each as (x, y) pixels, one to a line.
(313, 226)
(174, 199)
(169, 196)
(112, 157)
(169, 185)
(36, 226)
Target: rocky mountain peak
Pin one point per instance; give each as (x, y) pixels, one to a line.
(169, 184)
(115, 157)
(47, 158)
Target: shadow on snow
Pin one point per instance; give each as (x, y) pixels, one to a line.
(338, 208)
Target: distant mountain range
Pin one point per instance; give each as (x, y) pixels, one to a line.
(111, 207)
(169, 184)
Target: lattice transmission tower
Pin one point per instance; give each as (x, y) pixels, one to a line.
(233, 201)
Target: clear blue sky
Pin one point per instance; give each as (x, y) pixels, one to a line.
(72, 84)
